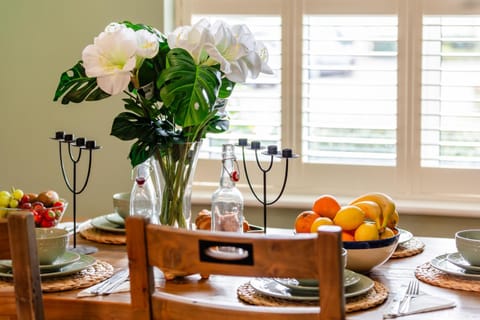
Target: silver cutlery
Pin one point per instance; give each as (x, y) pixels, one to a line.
(108, 286)
(413, 290)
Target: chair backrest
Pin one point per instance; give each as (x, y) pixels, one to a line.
(171, 249)
(18, 243)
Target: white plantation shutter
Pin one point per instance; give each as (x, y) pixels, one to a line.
(349, 89)
(451, 92)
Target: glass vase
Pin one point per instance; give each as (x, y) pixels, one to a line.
(176, 169)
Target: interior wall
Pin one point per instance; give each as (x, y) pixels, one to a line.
(40, 40)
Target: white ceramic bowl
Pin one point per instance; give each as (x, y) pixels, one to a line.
(51, 244)
(363, 256)
(121, 204)
(468, 244)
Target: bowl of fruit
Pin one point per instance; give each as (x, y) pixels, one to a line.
(47, 207)
(368, 223)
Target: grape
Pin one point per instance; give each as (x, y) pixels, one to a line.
(4, 200)
(17, 194)
(13, 203)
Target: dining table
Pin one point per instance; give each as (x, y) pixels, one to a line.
(394, 275)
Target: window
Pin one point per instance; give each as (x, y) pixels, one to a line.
(374, 95)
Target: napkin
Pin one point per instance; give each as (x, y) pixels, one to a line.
(422, 303)
(120, 284)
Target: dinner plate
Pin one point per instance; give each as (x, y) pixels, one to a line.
(441, 263)
(350, 278)
(457, 259)
(84, 262)
(405, 235)
(66, 259)
(115, 218)
(103, 224)
(272, 288)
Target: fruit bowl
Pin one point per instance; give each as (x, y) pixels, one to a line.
(363, 256)
(44, 217)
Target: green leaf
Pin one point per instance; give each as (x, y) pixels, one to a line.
(75, 86)
(190, 91)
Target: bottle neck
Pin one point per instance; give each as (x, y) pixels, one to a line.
(228, 169)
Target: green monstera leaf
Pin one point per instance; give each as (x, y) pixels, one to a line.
(189, 91)
(76, 87)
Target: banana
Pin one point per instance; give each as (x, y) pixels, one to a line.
(393, 222)
(372, 211)
(384, 201)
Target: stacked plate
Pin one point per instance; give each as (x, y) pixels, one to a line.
(307, 290)
(455, 264)
(112, 222)
(68, 263)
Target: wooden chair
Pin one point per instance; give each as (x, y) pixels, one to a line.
(18, 243)
(297, 256)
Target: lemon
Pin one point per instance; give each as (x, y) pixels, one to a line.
(366, 231)
(349, 217)
(321, 221)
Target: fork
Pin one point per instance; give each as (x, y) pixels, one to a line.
(412, 291)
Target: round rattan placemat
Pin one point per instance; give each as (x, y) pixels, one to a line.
(87, 277)
(91, 233)
(408, 249)
(374, 297)
(429, 274)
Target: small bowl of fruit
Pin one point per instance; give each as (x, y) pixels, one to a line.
(47, 207)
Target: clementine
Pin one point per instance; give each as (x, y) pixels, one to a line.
(304, 220)
(326, 205)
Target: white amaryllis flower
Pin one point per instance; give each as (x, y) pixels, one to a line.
(233, 48)
(193, 39)
(111, 58)
(147, 44)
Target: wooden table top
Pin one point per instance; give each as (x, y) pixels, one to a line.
(394, 274)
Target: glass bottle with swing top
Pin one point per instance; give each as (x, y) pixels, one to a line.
(227, 200)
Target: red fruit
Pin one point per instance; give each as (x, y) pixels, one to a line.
(47, 224)
(49, 215)
(58, 204)
(38, 206)
(25, 205)
(25, 199)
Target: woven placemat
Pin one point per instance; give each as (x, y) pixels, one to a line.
(91, 233)
(374, 297)
(87, 277)
(408, 249)
(429, 274)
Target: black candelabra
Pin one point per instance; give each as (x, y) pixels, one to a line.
(82, 144)
(272, 152)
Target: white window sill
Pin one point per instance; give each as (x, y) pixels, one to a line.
(417, 207)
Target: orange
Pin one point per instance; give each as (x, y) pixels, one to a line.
(304, 220)
(320, 221)
(326, 205)
(347, 236)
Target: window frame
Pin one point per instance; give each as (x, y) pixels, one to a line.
(416, 189)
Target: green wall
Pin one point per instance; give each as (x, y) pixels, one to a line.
(39, 40)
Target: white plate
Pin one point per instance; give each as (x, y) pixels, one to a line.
(270, 287)
(66, 259)
(115, 218)
(350, 278)
(84, 262)
(404, 235)
(103, 224)
(441, 263)
(457, 259)
(227, 253)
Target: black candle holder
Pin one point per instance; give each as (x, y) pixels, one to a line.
(273, 152)
(83, 145)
